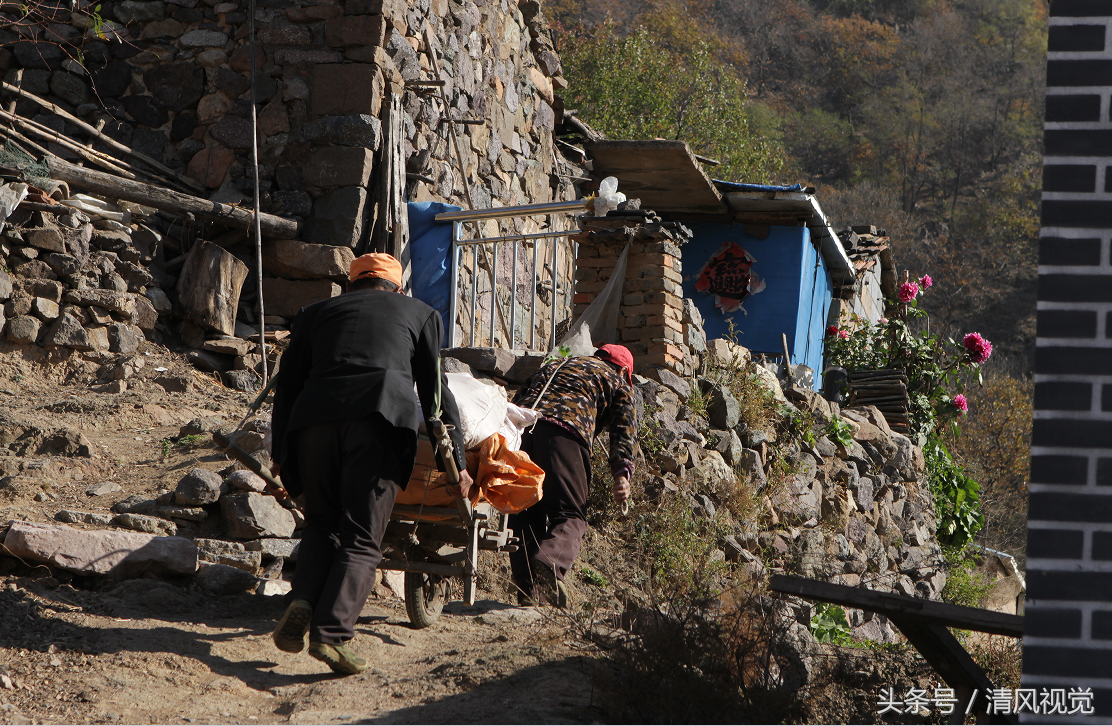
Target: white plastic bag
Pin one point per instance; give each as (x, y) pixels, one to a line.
(608, 196)
(98, 208)
(517, 420)
(10, 197)
(482, 408)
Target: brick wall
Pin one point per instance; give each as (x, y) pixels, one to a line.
(651, 317)
(1068, 637)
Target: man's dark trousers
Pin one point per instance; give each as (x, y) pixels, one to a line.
(347, 468)
(552, 529)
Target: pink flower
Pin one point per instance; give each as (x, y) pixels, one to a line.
(926, 281)
(979, 348)
(883, 321)
(961, 404)
(908, 291)
(843, 334)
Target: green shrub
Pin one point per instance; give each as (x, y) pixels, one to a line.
(829, 624)
(678, 545)
(956, 497)
(964, 584)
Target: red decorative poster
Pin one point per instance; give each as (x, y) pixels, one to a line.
(727, 276)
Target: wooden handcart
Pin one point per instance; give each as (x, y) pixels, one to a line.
(433, 537)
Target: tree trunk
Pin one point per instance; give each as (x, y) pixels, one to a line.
(209, 287)
(167, 200)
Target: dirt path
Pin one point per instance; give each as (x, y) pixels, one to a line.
(78, 650)
(147, 652)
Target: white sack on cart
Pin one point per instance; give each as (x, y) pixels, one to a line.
(482, 408)
(517, 420)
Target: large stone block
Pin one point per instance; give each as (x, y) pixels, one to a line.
(68, 332)
(45, 238)
(221, 579)
(252, 516)
(117, 302)
(357, 129)
(101, 553)
(338, 217)
(293, 56)
(358, 30)
(198, 487)
(340, 89)
(178, 85)
(233, 554)
(285, 297)
(23, 329)
(307, 261)
(339, 166)
(209, 165)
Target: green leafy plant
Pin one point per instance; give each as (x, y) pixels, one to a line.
(956, 497)
(829, 624)
(192, 441)
(798, 424)
(679, 546)
(697, 401)
(964, 584)
(640, 85)
(839, 430)
(560, 353)
(592, 576)
(166, 446)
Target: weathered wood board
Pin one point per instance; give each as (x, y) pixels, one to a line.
(209, 287)
(664, 175)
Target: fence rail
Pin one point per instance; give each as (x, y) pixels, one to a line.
(489, 249)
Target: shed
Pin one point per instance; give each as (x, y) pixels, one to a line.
(791, 245)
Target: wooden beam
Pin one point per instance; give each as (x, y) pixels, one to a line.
(167, 199)
(896, 606)
(949, 659)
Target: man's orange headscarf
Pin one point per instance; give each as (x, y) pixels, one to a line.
(376, 264)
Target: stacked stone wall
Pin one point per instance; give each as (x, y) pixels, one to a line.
(172, 81)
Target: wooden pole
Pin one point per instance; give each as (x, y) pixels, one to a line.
(168, 200)
(88, 154)
(256, 211)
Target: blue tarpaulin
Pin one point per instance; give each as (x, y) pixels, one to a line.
(741, 187)
(430, 245)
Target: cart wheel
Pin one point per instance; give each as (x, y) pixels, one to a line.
(424, 597)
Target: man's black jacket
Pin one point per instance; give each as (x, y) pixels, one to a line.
(358, 355)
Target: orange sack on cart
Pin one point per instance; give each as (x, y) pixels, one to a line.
(509, 480)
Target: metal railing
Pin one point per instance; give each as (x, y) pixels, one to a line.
(560, 285)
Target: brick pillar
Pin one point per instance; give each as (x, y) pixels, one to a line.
(650, 320)
(1067, 641)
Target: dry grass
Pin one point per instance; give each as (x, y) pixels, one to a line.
(1001, 658)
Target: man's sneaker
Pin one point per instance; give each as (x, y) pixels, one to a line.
(294, 625)
(340, 658)
(548, 590)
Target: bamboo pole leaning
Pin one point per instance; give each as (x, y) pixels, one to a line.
(105, 138)
(168, 200)
(91, 155)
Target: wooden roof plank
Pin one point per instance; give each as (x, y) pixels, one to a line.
(664, 175)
